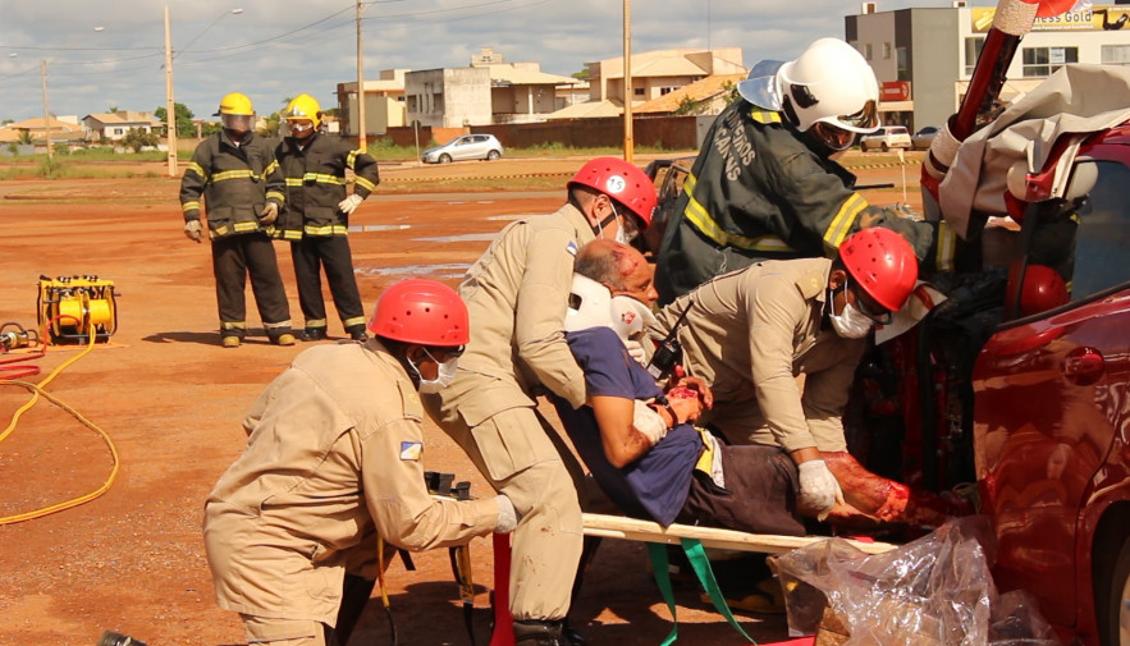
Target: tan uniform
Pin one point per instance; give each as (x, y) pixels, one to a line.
(332, 461)
(517, 294)
(750, 334)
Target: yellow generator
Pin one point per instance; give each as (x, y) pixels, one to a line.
(72, 306)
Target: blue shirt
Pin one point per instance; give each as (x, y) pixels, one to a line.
(657, 484)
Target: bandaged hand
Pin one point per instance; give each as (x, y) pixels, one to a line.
(507, 516)
(819, 490)
(649, 422)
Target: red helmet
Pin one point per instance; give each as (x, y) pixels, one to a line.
(621, 181)
(883, 264)
(421, 311)
(1043, 289)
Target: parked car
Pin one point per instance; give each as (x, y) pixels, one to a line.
(885, 138)
(923, 138)
(465, 147)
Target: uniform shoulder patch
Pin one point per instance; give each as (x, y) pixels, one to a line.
(411, 451)
(571, 247)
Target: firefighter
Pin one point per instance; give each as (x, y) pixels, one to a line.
(316, 217)
(332, 467)
(517, 293)
(238, 176)
(750, 333)
(764, 185)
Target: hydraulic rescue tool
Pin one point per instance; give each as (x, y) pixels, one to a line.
(72, 306)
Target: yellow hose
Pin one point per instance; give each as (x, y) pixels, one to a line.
(37, 391)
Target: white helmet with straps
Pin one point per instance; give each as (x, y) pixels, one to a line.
(830, 82)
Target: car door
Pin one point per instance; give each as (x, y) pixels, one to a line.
(479, 147)
(1051, 399)
(462, 148)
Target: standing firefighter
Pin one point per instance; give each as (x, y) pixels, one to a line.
(517, 293)
(239, 178)
(764, 186)
(332, 467)
(316, 219)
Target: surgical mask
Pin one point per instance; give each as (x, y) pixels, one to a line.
(443, 379)
(850, 323)
(300, 131)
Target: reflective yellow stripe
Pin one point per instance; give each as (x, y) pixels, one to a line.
(271, 167)
(291, 234)
(351, 158)
(369, 186)
(277, 195)
(219, 231)
(190, 206)
(241, 227)
(316, 323)
(294, 181)
(844, 220)
(765, 116)
(697, 215)
(326, 230)
(356, 320)
(233, 325)
(196, 168)
(323, 178)
(232, 174)
(947, 246)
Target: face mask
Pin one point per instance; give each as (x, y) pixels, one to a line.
(851, 323)
(301, 131)
(443, 378)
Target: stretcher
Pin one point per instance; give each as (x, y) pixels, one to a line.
(655, 535)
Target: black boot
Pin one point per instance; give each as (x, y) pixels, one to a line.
(314, 334)
(357, 332)
(538, 633)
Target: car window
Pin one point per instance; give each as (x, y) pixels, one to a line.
(1085, 239)
(929, 130)
(463, 141)
(898, 131)
(1103, 232)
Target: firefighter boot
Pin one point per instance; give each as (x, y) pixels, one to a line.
(357, 332)
(538, 633)
(286, 338)
(230, 341)
(314, 334)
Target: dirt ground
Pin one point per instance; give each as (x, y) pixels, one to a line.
(172, 399)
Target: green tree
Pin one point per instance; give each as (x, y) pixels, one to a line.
(185, 128)
(271, 125)
(7, 121)
(583, 75)
(138, 138)
(25, 137)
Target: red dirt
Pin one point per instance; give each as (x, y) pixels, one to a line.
(172, 400)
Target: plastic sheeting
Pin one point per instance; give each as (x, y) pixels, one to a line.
(935, 591)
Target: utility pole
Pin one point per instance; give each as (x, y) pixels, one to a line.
(361, 143)
(170, 105)
(629, 93)
(46, 114)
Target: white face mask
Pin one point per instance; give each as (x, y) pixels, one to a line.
(443, 379)
(850, 323)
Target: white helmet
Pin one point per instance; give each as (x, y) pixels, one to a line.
(829, 83)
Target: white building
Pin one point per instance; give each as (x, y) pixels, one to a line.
(924, 56)
(113, 126)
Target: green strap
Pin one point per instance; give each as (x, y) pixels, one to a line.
(701, 566)
(662, 571)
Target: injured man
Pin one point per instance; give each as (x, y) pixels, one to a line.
(637, 438)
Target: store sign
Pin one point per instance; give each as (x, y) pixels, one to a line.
(890, 91)
(1084, 16)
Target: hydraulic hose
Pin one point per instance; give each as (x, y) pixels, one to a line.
(13, 378)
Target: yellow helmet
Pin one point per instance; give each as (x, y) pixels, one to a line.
(236, 104)
(304, 106)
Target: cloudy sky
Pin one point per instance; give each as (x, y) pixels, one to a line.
(277, 48)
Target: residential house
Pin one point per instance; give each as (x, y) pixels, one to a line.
(708, 96)
(384, 103)
(113, 126)
(59, 129)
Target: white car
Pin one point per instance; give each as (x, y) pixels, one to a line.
(886, 138)
(465, 147)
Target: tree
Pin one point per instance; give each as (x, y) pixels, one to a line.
(7, 121)
(270, 125)
(112, 108)
(138, 138)
(185, 128)
(25, 137)
(583, 75)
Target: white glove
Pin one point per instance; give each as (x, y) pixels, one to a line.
(507, 516)
(635, 350)
(350, 204)
(269, 214)
(819, 491)
(193, 230)
(648, 422)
